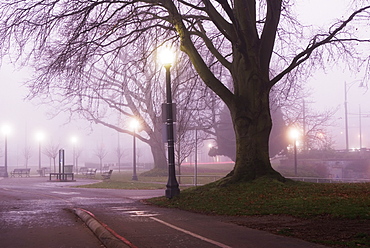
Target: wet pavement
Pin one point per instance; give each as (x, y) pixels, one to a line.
(38, 213)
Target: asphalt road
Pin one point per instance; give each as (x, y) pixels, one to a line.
(38, 213)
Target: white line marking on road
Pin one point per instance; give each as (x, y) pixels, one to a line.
(65, 193)
(192, 234)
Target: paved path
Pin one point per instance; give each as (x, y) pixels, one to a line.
(37, 213)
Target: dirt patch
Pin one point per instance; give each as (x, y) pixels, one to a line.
(324, 230)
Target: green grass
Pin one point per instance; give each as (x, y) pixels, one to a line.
(124, 181)
(261, 197)
(265, 197)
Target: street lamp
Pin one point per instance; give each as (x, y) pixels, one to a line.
(294, 134)
(74, 142)
(134, 125)
(346, 90)
(172, 187)
(39, 137)
(6, 131)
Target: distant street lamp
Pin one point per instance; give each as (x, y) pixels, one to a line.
(346, 89)
(74, 142)
(40, 136)
(167, 58)
(6, 131)
(294, 134)
(134, 125)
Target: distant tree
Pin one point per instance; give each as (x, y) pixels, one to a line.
(52, 151)
(313, 125)
(119, 152)
(78, 152)
(136, 93)
(27, 154)
(101, 152)
(257, 44)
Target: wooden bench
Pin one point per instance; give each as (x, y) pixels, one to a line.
(61, 176)
(43, 171)
(20, 172)
(106, 175)
(83, 170)
(90, 173)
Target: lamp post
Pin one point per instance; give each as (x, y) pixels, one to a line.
(346, 89)
(134, 125)
(294, 134)
(172, 187)
(346, 114)
(74, 142)
(39, 137)
(6, 131)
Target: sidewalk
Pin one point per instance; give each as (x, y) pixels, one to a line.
(159, 227)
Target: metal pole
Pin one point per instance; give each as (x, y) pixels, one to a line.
(346, 115)
(359, 116)
(134, 176)
(61, 164)
(172, 184)
(74, 158)
(295, 158)
(6, 157)
(39, 155)
(119, 153)
(304, 126)
(196, 159)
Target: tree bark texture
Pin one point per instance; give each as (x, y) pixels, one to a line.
(249, 101)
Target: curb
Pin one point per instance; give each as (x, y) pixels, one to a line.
(107, 236)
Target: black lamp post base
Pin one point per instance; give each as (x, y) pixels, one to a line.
(134, 178)
(172, 192)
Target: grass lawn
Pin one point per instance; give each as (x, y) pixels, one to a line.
(265, 197)
(307, 201)
(344, 209)
(124, 181)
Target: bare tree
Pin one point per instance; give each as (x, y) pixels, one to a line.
(313, 124)
(257, 44)
(119, 152)
(137, 93)
(78, 152)
(101, 152)
(52, 151)
(27, 154)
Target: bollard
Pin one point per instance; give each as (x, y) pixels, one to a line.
(61, 164)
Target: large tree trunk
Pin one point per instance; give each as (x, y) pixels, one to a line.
(252, 124)
(159, 156)
(159, 153)
(249, 67)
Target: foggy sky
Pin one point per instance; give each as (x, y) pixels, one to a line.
(26, 119)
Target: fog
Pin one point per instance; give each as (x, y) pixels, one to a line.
(27, 118)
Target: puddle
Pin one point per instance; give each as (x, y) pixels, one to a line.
(65, 193)
(134, 213)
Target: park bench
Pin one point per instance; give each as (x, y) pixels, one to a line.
(43, 171)
(106, 175)
(83, 171)
(20, 172)
(90, 173)
(63, 177)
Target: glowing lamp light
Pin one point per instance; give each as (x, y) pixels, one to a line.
(6, 129)
(134, 124)
(294, 133)
(40, 136)
(166, 56)
(74, 139)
